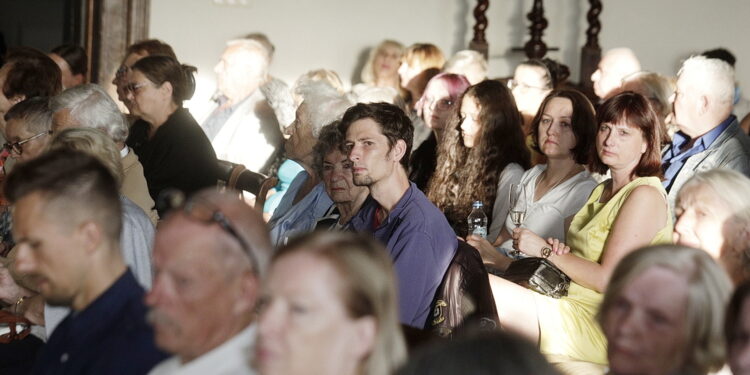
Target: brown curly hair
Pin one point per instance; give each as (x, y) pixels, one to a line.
(463, 174)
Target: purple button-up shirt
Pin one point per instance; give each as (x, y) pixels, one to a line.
(421, 244)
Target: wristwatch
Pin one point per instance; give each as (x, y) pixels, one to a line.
(546, 252)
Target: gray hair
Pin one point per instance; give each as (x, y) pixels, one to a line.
(712, 77)
(655, 87)
(324, 104)
(255, 47)
(93, 142)
(466, 61)
(91, 107)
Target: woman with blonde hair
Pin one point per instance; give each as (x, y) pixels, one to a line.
(329, 307)
(663, 312)
(381, 68)
(420, 63)
(713, 214)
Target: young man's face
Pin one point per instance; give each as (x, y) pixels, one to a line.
(371, 155)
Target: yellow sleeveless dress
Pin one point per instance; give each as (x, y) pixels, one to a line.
(568, 325)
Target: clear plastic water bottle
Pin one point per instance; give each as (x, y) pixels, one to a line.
(478, 220)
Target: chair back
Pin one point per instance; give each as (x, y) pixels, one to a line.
(464, 297)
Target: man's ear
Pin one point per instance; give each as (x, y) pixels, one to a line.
(249, 290)
(399, 150)
(91, 235)
(703, 104)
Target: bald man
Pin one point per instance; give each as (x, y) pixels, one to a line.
(615, 65)
(209, 258)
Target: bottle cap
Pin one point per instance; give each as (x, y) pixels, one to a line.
(477, 204)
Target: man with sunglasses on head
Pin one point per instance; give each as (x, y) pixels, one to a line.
(209, 256)
(67, 222)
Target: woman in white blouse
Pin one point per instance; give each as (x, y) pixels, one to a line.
(564, 131)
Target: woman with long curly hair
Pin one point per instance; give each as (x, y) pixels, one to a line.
(482, 153)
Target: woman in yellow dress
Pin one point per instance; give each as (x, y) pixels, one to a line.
(622, 214)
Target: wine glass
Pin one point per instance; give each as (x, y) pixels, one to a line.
(517, 207)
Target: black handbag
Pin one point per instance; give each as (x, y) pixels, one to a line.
(540, 275)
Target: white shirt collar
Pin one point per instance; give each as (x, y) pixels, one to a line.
(231, 357)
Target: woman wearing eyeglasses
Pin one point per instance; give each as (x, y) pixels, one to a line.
(435, 107)
(28, 128)
(170, 144)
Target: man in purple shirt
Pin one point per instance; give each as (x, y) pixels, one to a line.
(378, 138)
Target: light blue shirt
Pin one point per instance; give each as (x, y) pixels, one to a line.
(289, 220)
(675, 156)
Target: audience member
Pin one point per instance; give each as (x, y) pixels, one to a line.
(209, 257)
(135, 52)
(77, 263)
(243, 127)
(709, 135)
(658, 89)
(417, 59)
(622, 214)
(564, 132)
(26, 73)
(468, 63)
(73, 64)
(482, 354)
(28, 128)
(737, 331)
(531, 82)
(175, 153)
(615, 65)
(345, 283)
(480, 156)
(713, 214)
(419, 240)
(306, 200)
(740, 104)
(381, 68)
(437, 108)
(335, 170)
(137, 233)
(89, 106)
(663, 312)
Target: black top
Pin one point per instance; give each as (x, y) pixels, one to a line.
(110, 336)
(423, 162)
(179, 156)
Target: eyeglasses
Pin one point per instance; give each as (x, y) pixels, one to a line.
(512, 84)
(17, 147)
(443, 104)
(133, 87)
(204, 211)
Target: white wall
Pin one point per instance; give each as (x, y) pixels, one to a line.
(335, 34)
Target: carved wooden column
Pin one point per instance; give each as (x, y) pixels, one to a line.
(112, 25)
(479, 42)
(591, 52)
(535, 48)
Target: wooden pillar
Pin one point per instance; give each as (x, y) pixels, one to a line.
(591, 52)
(126, 22)
(479, 42)
(535, 48)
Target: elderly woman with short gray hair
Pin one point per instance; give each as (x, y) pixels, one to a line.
(306, 200)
